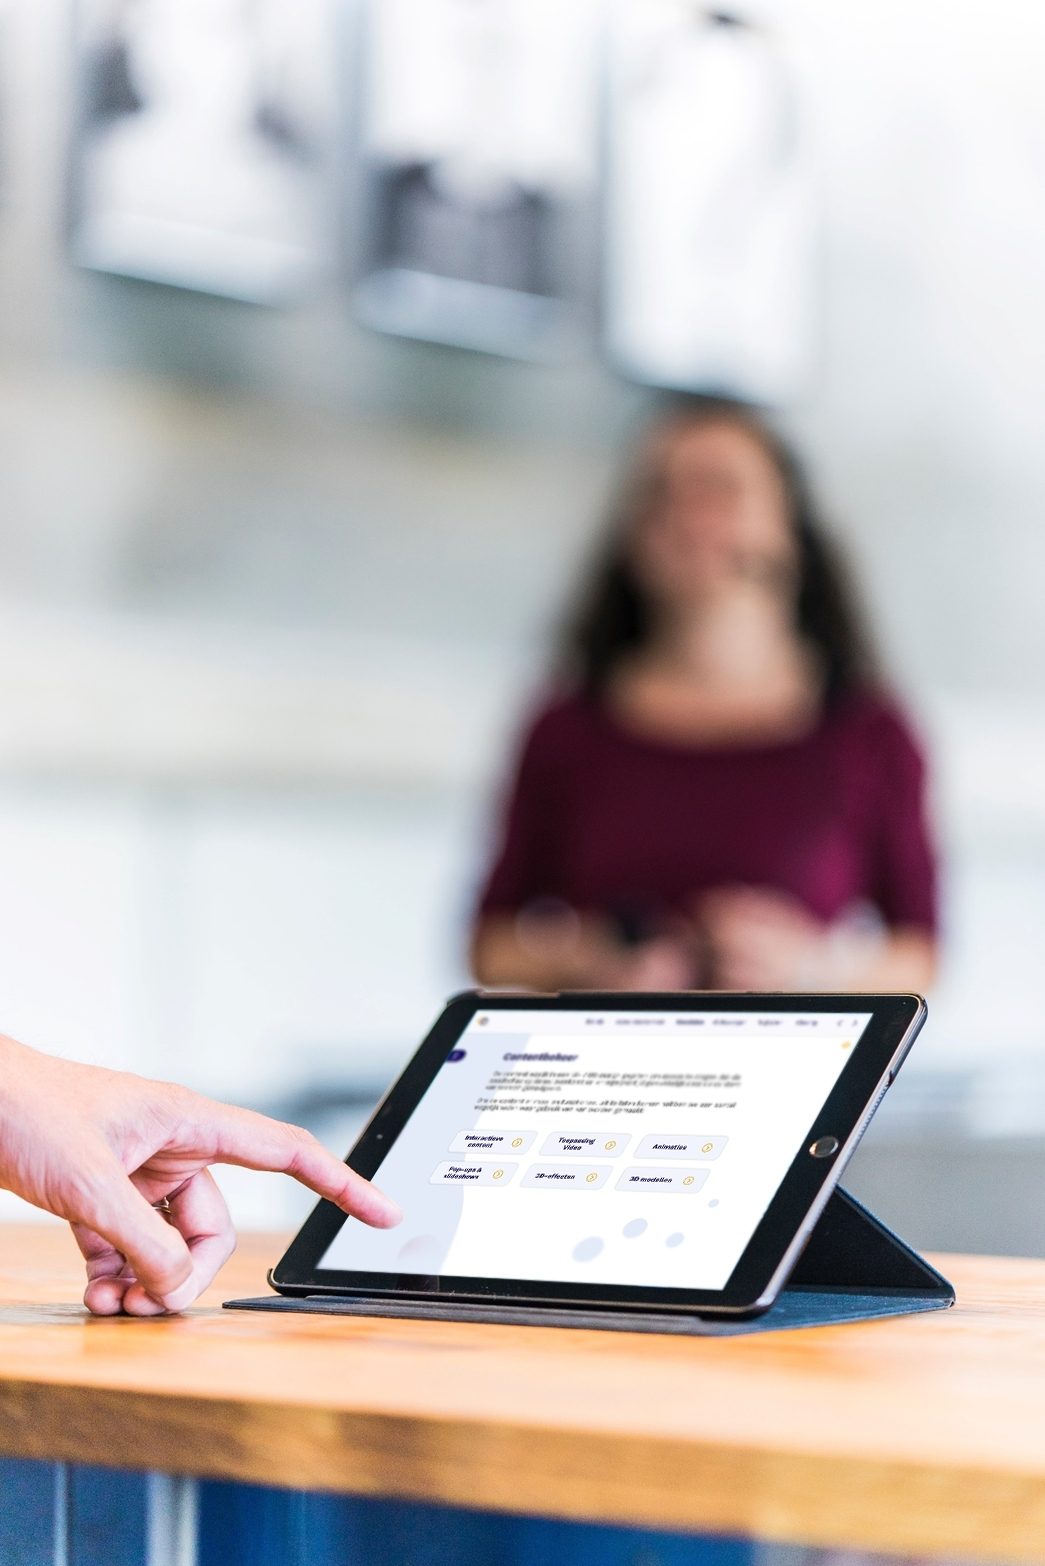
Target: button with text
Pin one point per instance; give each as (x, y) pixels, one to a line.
(489, 1172)
(566, 1177)
(683, 1144)
(586, 1144)
(477, 1142)
(654, 1177)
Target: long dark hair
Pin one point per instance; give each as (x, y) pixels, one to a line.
(613, 617)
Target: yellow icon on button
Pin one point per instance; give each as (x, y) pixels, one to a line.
(498, 1174)
(517, 1141)
(709, 1147)
(688, 1180)
(610, 1145)
(592, 1177)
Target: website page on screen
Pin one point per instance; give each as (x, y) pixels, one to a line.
(622, 1148)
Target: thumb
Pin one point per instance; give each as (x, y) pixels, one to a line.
(113, 1207)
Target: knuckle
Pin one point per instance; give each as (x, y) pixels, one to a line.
(300, 1140)
(179, 1108)
(301, 1144)
(162, 1267)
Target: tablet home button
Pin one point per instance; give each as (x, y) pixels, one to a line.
(825, 1147)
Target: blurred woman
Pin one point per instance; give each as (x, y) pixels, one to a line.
(720, 793)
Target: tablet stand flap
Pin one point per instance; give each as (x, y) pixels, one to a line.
(851, 1251)
(794, 1308)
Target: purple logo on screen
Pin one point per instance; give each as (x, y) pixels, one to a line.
(455, 1054)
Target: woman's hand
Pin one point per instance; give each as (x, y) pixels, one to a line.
(663, 963)
(571, 951)
(761, 939)
(104, 1149)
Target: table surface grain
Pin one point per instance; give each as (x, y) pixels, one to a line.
(921, 1434)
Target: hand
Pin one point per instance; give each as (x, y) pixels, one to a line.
(103, 1148)
(761, 939)
(662, 963)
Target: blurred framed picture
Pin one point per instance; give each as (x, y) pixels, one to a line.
(477, 140)
(204, 131)
(710, 237)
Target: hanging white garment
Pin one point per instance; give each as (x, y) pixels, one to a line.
(710, 231)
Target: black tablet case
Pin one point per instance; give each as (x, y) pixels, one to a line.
(852, 1269)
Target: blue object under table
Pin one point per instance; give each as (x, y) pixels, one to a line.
(53, 1515)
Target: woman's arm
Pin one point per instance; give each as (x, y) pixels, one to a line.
(106, 1151)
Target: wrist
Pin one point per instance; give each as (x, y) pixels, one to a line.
(13, 1060)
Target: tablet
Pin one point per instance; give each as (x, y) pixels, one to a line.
(648, 1152)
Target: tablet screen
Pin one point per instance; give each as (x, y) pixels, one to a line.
(602, 1147)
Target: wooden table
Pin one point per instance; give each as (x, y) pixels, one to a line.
(923, 1434)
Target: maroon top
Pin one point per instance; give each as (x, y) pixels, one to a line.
(612, 822)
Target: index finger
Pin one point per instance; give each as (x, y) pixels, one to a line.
(254, 1141)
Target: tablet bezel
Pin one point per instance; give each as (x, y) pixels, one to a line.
(777, 1241)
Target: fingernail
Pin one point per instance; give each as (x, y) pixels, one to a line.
(181, 1297)
(144, 1305)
